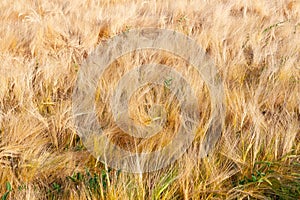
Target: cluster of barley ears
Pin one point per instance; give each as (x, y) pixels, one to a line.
(255, 46)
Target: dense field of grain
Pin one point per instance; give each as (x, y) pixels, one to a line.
(255, 46)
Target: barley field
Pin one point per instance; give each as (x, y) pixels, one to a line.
(255, 46)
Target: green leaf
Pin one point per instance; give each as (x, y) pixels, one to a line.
(254, 179)
(8, 186)
(4, 197)
(163, 185)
